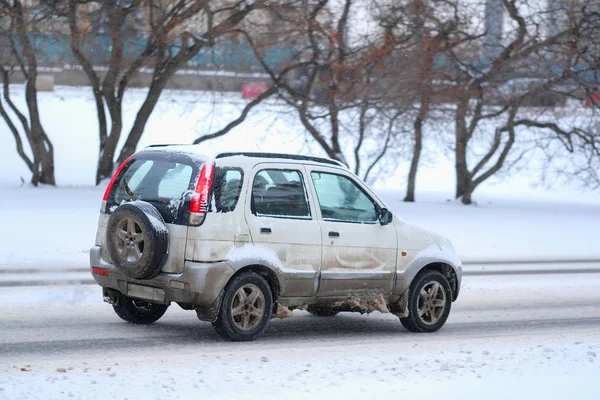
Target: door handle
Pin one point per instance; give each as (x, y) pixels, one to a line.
(334, 234)
(265, 230)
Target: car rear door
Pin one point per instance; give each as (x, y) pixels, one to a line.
(161, 179)
(281, 218)
(359, 253)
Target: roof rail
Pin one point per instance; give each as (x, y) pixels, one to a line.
(167, 144)
(284, 156)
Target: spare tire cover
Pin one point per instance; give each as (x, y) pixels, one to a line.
(137, 239)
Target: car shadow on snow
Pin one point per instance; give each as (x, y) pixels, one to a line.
(297, 328)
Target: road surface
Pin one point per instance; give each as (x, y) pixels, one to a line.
(517, 336)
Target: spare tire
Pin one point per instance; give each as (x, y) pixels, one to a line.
(137, 239)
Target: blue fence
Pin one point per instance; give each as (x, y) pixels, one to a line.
(54, 50)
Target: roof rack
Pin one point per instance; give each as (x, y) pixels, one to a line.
(167, 144)
(284, 156)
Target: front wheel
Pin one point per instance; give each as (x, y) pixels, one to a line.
(429, 301)
(138, 311)
(246, 308)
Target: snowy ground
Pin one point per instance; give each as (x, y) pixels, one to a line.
(54, 228)
(69, 118)
(513, 220)
(507, 337)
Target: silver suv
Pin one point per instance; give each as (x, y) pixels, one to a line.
(244, 237)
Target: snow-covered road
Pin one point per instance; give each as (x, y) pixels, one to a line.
(507, 336)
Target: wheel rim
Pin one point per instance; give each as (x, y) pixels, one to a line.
(248, 307)
(432, 303)
(130, 240)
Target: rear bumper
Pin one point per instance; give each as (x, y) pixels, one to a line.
(206, 280)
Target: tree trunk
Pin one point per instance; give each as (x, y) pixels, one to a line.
(43, 151)
(142, 117)
(105, 161)
(466, 197)
(414, 165)
(41, 147)
(463, 176)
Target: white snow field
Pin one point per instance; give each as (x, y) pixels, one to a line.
(520, 336)
(513, 220)
(54, 228)
(517, 337)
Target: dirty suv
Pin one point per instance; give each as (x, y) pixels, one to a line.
(241, 238)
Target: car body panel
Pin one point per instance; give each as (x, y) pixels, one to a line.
(362, 258)
(419, 248)
(296, 243)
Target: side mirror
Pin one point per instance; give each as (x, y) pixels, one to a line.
(385, 216)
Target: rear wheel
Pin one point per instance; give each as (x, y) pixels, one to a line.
(138, 311)
(246, 308)
(321, 311)
(429, 301)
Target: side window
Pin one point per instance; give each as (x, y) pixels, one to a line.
(280, 193)
(228, 185)
(341, 199)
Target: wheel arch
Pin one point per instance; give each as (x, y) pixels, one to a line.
(447, 266)
(267, 273)
(449, 273)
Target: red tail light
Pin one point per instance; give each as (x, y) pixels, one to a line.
(114, 178)
(100, 271)
(200, 198)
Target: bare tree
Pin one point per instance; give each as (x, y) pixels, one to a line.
(337, 89)
(173, 32)
(527, 53)
(20, 57)
(430, 28)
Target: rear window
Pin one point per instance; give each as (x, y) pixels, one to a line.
(162, 183)
(154, 181)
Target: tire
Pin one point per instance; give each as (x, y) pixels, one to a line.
(138, 311)
(137, 239)
(429, 311)
(321, 311)
(248, 302)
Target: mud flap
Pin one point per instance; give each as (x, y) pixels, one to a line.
(211, 313)
(400, 309)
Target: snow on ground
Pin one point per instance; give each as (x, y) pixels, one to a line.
(55, 227)
(507, 337)
(69, 117)
(513, 219)
(553, 370)
(515, 337)
(44, 227)
(503, 229)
